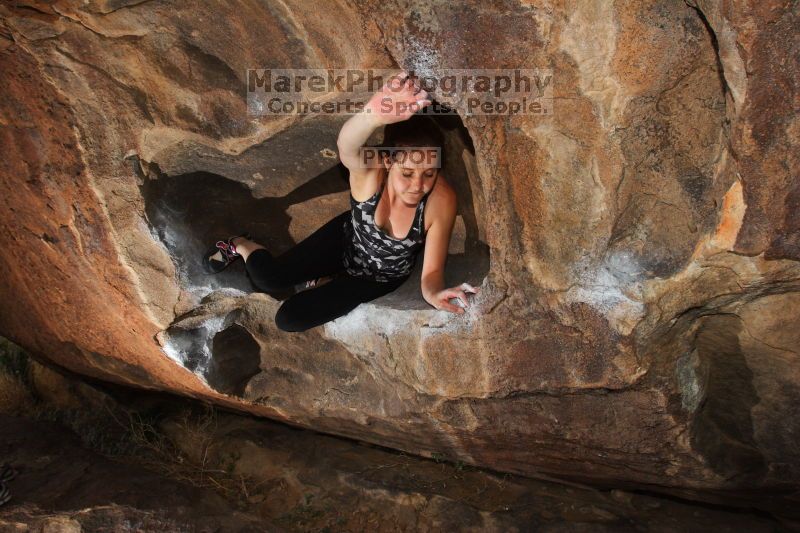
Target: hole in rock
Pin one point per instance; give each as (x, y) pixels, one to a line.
(190, 212)
(189, 347)
(235, 358)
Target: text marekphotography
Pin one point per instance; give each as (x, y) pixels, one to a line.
(346, 91)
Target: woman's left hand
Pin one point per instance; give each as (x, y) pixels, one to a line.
(441, 300)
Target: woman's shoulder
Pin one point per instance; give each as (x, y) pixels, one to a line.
(443, 193)
(442, 200)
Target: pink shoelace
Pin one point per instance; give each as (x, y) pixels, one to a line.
(228, 250)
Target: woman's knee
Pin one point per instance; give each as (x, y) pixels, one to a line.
(315, 307)
(289, 318)
(261, 268)
(268, 284)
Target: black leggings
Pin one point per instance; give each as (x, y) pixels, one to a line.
(320, 254)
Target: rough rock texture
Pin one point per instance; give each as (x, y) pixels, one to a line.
(112, 459)
(637, 250)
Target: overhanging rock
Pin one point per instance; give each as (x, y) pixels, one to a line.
(637, 249)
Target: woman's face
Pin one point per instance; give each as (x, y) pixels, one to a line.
(412, 174)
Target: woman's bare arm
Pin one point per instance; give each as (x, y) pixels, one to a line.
(398, 99)
(437, 242)
(353, 135)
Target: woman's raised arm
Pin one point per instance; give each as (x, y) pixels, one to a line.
(353, 135)
(399, 98)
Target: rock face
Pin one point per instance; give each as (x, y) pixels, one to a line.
(637, 249)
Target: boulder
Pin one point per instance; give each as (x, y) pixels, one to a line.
(637, 248)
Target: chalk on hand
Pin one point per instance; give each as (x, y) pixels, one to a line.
(458, 302)
(466, 287)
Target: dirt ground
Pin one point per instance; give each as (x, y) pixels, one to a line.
(96, 458)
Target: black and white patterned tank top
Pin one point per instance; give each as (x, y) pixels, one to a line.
(369, 252)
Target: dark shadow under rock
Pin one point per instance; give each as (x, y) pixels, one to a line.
(190, 212)
(64, 486)
(723, 427)
(235, 358)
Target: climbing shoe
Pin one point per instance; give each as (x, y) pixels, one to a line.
(222, 254)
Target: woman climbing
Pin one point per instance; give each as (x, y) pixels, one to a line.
(370, 250)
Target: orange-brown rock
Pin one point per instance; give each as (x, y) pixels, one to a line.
(637, 249)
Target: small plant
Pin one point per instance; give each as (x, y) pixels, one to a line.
(229, 460)
(13, 360)
(16, 396)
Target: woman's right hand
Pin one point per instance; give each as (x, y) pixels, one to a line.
(398, 99)
(441, 300)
